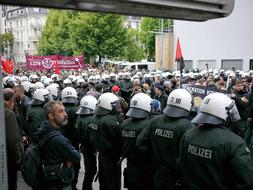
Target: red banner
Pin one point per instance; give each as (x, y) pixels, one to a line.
(53, 61)
(8, 66)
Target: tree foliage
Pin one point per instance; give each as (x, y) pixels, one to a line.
(98, 34)
(149, 28)
(6, 41)
(55, 35)
(134, 50)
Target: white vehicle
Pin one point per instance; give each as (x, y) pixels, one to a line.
(139, 65)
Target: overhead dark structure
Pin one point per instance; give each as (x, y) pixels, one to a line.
(195, 10)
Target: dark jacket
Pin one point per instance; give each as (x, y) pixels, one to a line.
(70, 131)
(242, 106)
(15, 147)
(35, 116)
(212, 157)
(58, 150)
(105, 134)
(163, 100)
(161, 137)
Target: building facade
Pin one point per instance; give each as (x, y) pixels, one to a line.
(225, 43)
(26, 24)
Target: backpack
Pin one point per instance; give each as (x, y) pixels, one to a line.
(31, 166)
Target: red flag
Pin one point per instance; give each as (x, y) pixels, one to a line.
(8, 66)
(57, 70)
(179, 56)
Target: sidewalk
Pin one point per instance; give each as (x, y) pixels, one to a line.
(22, 185)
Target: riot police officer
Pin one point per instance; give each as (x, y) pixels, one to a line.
(127, 87)
(35, 114)
(85, 115)
(211, 156)
(163, 134)
(70, 102)
(140, 168)
(54, 89)
(105, 135)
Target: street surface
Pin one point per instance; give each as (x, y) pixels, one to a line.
(22, 185)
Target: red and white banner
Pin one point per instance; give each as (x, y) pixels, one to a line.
(52, 61)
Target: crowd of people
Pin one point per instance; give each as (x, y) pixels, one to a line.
(147, 118)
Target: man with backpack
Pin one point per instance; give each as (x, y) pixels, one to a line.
(57, 152)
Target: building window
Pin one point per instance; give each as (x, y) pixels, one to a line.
(232, 64)
(204, 64)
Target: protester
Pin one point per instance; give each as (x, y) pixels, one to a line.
(14, 142)
(58, 151)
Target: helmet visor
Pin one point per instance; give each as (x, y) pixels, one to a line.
(173, 111)
(137, 113)
(84, 111)
(233, 112)
(205, 118)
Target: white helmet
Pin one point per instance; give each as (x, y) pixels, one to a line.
(55, 77)
(120, 76)
(42, 78)
(26, 85)
(32, 88)
(48, 81)
(127, 75)
(135, 77)
(39, 85)
(33, 78)
(54, 90)
(24, 78)
(67, 81)
(105, 77)
(85, 76)
(87, 105)
(71, 77)
(215, 109)
(69, 95)
(179, 103)
(98, 78)
(80, 81)
(92, 79)
(140, 106)
(107, 103)
(5, 80)
(41, 96)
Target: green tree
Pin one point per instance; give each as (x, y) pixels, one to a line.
(97, 34)
(133, 50)
(149, 28)
(6, 42)
(55, 35)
